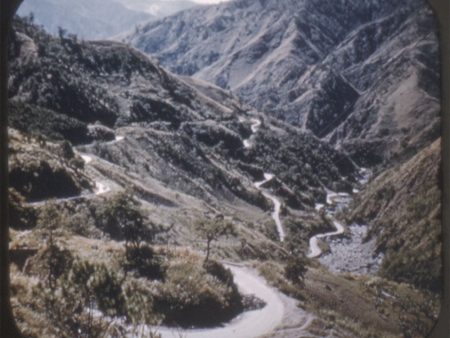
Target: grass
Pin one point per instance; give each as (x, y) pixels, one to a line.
(186, 295)
(357, 306)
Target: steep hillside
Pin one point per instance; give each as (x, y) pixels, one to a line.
(175, 138)
(89, 19)
(40, 174)
(145, 202)
(340, 69)
(403, 208)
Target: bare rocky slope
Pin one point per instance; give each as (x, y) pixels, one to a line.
(361, 74)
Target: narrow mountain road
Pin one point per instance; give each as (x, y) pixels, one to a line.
(276, 202)
(256, 124)
(101, 186)
(314, 248)
(256, 323)
(334, 200)
(250, 324)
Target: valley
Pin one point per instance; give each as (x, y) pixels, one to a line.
(214, 199)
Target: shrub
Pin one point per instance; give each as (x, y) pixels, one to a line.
(295, 269)
(77, 163)
(21, 216)
(66, 313)
(66, 150)
(217, 270)
(144, 261)
(139, 303)
(191, 296)
(124, 219)
(100, 284)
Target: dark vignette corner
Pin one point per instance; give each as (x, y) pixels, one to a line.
(442, 10)
(7, 323)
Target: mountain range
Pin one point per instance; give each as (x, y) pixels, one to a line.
(290, 122)
(363, 79)
(97, 19)
(158, 8)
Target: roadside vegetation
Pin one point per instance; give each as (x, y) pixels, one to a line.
(354, 306)
(72, 286)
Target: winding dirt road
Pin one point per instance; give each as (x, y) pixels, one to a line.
(276, 202)
(332, 199)
(101, 186)
(250, 324)
(280, 317)
(315, 250)
(256, 124)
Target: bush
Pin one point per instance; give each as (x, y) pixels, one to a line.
(192, 297)
(217, 270)
(66, 314)
(139, 303)
(66, 150)
(77, 163)
(50, 263)
(69, 299)
(123, 219)
(100, 284)
(144, 261)
(20, 216)
(295, 269)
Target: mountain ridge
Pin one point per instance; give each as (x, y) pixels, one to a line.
(309, 64)
(177, 155)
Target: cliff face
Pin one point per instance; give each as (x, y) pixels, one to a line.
(362, 74)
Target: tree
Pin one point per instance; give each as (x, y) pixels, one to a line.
(124, 213)
(30, 18)
(66, 150)
(295, 269)
(212, 229)
(62, 33)
(49, 220)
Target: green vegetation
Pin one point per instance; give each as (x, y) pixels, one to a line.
(94, 258)
(295, 269)
(357, 306)
(126, 220)
(41, 172)
(83, 284)
(20, 216)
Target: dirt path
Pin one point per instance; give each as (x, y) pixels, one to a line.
(276, 202)
(256, 124)
(250, 324)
